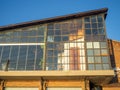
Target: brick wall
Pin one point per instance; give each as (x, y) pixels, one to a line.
(114, 48)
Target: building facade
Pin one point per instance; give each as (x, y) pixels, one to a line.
(70, 52)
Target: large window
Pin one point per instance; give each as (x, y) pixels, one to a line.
(76, 44)
(96, 45)
(22, 57)
(65, 46)
(24, 48)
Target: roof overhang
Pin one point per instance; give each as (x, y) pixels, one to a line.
(54, 19)
(96, 76)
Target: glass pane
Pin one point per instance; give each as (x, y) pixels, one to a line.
(41, 31)
(22, 58)
(39, 57)
(31, 58)
(97, 52)
(101, 31)
(13, 57)
(57, 32)
(94, 25)
(57, 38)
(40, 39)
(105, 59)
(88, 38)
(95, 38)
(50, 53)
(96, 45)
(87, 25)
(32, 33)
(100, 25)
(58, 26)
(32, 40)
(104, 52)
(87, 31)
(50, 45)
(24, 33)
(24, 39)
(89, 45)
(89, 52)
(65, 38)
(103, 44)
(66, 25)
(79, 23)
(102, 38)
(0, 51)
(97, 59)
(5, 54)
(91, 67)
(50, 38)
(87, 19)
(90, 59)
(106, 66)
(98, 67)
(93, 19)
(16, 33)
(50, 32)
(50, 26)
(94, 31)
(100, 18)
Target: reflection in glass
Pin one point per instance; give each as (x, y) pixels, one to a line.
(89, 52)
(96, 51)
(91, 67)
(13, 57)
(103, 44)
(98, 59)
(88, 31)
(96, 45)
(90, 59)
(50, 38)
(93, 19)
(94, 31)
(5, 54)
(87, 25)
(98, 67)
(99, 17)
(105, 59)
(87, 19)
(22, 58)
(104, 52)
(101, 31)
(89, 45)
(106, 66)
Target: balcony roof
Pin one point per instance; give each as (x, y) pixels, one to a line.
(54, 19)
(96, 76)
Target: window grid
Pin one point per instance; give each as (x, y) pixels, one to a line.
(101, 51)
(62, 45)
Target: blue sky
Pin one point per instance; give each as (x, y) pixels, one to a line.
(17, 11)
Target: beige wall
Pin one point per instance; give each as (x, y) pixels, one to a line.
(111, 88)
(47, 83)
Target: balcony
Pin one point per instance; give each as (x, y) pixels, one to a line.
(96, 76)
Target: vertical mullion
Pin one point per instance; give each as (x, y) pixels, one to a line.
(18, 57)
(10, 52)
(45, 48)
(35, 57)
(26, 57)
(1, 54)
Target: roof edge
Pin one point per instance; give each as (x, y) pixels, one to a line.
(53, 19)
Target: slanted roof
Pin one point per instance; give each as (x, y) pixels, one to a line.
(53, 19)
